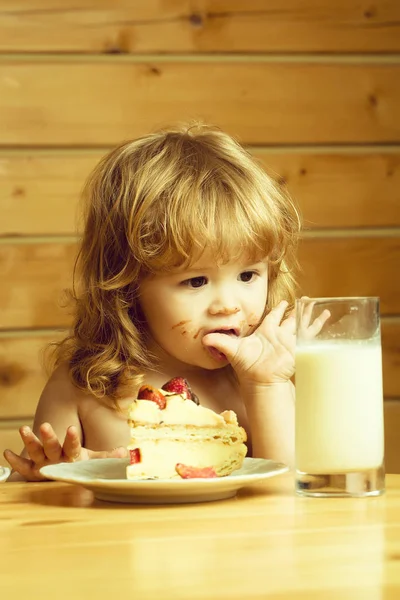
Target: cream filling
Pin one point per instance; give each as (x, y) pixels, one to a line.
(178, 411)
(159, 457)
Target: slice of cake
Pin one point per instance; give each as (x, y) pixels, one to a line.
(172, 436)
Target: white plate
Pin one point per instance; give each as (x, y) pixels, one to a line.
(106, 478)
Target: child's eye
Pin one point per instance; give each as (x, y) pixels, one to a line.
(195, 282)
(247, 276)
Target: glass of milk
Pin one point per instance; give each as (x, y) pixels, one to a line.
(339, 398)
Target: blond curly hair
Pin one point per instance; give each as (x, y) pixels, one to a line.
(152, 205)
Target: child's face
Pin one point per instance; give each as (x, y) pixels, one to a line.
(182, 307)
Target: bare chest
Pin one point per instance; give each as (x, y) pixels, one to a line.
(103, 428)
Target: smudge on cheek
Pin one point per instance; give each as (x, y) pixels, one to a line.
(251, 323)
(196, 335)
(184, 331)
(180, 324)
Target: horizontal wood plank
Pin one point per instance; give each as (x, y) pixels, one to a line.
(23, 367)
(36, 276)
(22, 378)
(391, 358)
(346, 266)
(23, 372)
(37, 273)
(340, 189)
(39, 191)
(392, 437)
(57, 103)
(132, 26)
(10, 439)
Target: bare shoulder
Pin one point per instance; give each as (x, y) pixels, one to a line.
(61, 388)
(60, 375)
(59, 401)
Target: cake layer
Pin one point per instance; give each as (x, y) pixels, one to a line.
(172, 436)
(178, 411)
(228, 434)
(159, 457)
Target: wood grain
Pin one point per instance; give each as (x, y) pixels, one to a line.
(57, 103)
(391, 358)
(346, 266)
(39, 190)
(24, 369)
(10, 438)
(265, 543)
(392, 437)
(342, 188)
(131, 26)
(37, 274)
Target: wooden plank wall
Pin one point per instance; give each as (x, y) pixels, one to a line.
(313, 89)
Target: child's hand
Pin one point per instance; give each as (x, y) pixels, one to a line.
(308, 329)
(47, 451)
(266, 356)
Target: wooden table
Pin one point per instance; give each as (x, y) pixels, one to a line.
(57, 542)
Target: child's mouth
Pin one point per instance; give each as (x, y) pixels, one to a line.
(216, 354)
(232, 332)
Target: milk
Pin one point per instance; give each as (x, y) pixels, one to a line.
(339, 407)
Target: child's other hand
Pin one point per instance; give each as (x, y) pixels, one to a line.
(266, 356)
(48, 451)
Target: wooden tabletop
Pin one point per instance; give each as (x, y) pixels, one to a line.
(57, 541)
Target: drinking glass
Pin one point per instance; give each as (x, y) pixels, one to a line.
(339, 397)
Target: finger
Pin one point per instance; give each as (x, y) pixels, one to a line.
(33, 445)
(307, 309)
(225, 345)
(23, 466)
(289, 324)
(51, 446)
(318, 323)
(120, 452)
(276, 315)
(72, 445)
(270, 325)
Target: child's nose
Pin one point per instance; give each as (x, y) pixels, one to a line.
(224, 306)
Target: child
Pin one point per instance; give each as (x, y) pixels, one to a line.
(186, 269)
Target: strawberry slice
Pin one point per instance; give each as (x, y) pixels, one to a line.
(148, 392)
(180, 385)
(177, 385)
(135, 456)
(187, 472)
